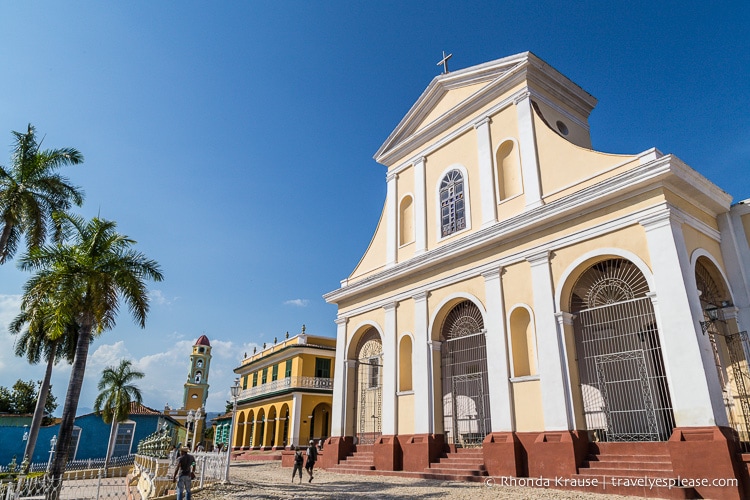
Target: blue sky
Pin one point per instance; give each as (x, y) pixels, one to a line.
(234, 140)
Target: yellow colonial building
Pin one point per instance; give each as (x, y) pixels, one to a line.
(534, 303)
(286, 391)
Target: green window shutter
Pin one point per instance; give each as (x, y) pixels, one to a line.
(264, 376)
(275, 372)
(323, 367)
(255, 379)
(288, 369)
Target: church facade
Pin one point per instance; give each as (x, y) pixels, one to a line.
(536, 301)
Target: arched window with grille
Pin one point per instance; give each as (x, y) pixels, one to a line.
(452, 203)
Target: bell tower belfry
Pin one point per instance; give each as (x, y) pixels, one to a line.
(196, 386)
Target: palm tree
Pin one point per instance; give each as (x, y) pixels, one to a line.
(35, 345)
(84, 280)
(116, 392)
(31, 191)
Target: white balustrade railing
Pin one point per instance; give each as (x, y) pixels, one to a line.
(287, 383)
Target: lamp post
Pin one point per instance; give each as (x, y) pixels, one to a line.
(189, 420)
(52, 445)
(196, 423)
(235, 392)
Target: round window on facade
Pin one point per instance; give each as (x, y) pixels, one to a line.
(562, 127)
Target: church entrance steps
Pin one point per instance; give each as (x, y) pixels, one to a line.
(362, 459)
(640, 469)
(464, 463)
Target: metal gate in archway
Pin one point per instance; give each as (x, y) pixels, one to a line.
(369, 388)
(730, 352)
(623, 381)
(466, 396)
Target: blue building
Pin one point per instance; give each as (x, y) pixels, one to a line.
(90, 436)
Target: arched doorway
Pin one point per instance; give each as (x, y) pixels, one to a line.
(623, 381)
(466, 395)
(369, 386)
(320, 423)
(730, 347)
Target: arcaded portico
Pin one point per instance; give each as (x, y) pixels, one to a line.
(539, 302)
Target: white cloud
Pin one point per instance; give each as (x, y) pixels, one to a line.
(107, 355)
(10, 306)
(297, 302)
(157, 296)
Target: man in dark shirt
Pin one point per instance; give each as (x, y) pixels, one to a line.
(312, 457)
(184, 472)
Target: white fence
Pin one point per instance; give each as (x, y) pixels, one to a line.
(147, 478)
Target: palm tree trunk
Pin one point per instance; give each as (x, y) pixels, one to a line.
(36, 422)
(110, 443)
(71, 399)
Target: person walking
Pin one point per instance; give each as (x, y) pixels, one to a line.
(185, 468)
(298, 460)
(312, 457)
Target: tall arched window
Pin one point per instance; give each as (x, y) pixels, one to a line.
(452, 203)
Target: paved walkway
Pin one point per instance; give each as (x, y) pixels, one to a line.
(268, 480)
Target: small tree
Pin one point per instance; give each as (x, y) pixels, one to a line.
(116, 394)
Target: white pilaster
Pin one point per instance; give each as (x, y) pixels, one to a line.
(420, 207)
(550, 355)
(688, 358)
(486, 174)
(339, 403)
(736, 254)
(389, 416)
(565, 318)
(498, 373)
(391, 211)
(532, 186)
(421, 367)
(434, 346)
(296, 416)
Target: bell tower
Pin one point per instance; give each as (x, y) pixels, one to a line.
(196, 386)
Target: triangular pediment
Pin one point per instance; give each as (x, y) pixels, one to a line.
(452, 98)
(447, 92)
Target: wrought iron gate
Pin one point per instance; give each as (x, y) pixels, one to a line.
(623, 382)
(730, 350)
(466, 402)
(370, 389)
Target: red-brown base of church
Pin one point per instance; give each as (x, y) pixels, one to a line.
(696, 462)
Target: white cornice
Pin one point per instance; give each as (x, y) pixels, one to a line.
(605, 193)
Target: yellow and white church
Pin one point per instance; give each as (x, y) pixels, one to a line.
(537, 307)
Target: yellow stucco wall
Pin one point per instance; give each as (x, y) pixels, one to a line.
(527, 407)
(374, 257)
(449, 101)
(406, 414)
(582, 167)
